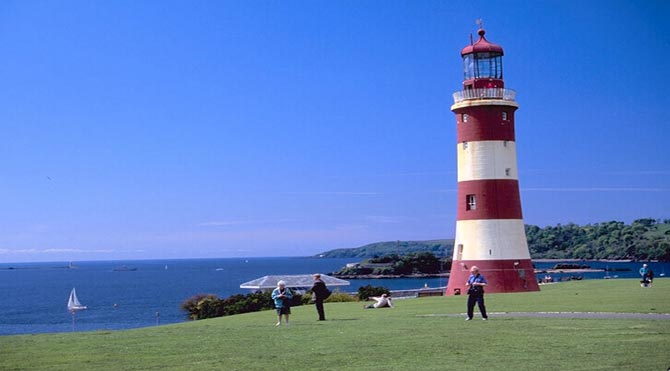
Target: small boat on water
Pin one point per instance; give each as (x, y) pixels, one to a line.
(73, 303)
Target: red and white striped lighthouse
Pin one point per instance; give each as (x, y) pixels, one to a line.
(489, 225)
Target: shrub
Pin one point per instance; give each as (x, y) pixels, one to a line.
(210, 307)
(339, 297)
(336, 296)
(191, 305)
(365, 292)
(203, 306)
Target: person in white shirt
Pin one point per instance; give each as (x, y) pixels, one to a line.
(383, 301)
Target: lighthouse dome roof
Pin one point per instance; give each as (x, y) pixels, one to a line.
(482, 45)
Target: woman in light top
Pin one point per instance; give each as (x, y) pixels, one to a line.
(282, 297)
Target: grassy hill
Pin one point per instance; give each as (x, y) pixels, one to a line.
(437, 247)
(419, 334)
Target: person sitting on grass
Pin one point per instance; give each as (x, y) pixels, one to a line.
(383, 301)
(282, 297)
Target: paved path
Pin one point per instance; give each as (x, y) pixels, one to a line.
(602, 315)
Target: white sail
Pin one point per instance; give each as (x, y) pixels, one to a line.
(73, 303)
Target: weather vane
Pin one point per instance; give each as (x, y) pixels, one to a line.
(480, 23)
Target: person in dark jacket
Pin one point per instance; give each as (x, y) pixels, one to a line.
(319, 294)
(476, 284)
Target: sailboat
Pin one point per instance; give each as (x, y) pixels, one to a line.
(73, 303)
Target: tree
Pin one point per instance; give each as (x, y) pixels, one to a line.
(191, 305)
(608, 240)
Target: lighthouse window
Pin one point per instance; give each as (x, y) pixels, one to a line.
(468, 67)
(465, 145)
(504, 116)
(488, 65)
(508, 171)
(470, 202)
(464, 117)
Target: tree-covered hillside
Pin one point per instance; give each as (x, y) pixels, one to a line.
(643, 239)
(423, 263)
(437, 247)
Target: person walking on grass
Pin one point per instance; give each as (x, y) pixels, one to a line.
(282, 297)
(319, 294)
(476, 284)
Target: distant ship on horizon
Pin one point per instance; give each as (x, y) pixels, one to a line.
(124, 268)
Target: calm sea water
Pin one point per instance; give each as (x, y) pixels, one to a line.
(35, 294)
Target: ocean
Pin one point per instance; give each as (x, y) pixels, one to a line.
(150, 292)
(147, 293)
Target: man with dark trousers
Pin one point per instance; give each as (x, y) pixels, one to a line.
(319, 292)
(476, 284)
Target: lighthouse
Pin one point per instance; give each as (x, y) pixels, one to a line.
(489, 225)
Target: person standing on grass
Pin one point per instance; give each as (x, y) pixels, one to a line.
(644, 272)
(476, 284)
(319, 294)
(282, 297)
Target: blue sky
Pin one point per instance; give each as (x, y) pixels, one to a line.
(162, 129)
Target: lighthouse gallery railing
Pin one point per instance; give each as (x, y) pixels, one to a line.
(485, 93)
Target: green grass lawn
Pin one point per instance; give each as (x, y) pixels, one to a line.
(403, 338)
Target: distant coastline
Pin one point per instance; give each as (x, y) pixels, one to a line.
(554, 270)
(606, 242)
(446, 275)
(12, 268)
(388, 276)
(580, 260)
